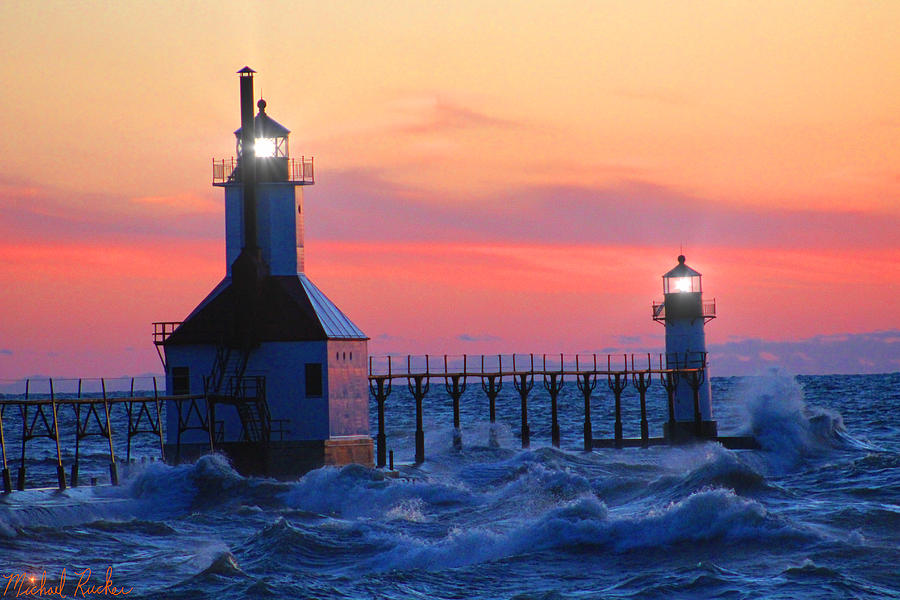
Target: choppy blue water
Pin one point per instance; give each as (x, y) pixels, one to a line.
(816, 514)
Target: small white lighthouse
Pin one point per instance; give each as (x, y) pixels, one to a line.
(684, 314)
(280, 370)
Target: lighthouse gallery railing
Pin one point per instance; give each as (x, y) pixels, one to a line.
(300, 170)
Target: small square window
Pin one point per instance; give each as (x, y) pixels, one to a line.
(181, 381)
(313, 380)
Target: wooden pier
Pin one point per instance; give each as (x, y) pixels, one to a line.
(36, 414)
(553, 371)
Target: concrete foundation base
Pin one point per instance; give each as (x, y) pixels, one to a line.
(345, 450)
(684, 432)
(282, 460)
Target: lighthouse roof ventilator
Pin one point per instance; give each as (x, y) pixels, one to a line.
(282, 370)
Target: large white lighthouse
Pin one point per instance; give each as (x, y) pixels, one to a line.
(279, 370)
(684, 314)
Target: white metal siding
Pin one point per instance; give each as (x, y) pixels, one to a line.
(348, 391)
(688, 335)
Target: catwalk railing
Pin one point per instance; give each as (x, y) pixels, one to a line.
(553, 371)
(60, 409)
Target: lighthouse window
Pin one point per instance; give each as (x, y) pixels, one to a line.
(313, 380)
(181, 381)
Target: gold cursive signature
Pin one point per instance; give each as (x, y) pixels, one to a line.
(23, 585)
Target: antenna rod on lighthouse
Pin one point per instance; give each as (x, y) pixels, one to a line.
(247, 158)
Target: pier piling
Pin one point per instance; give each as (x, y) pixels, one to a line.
(617, 382)
(23, 409)
(524, 382)
(60, 471)
(129, 407)
(642, 381)
(77, 437)
(669, 380)
(456, 389)
(7, 481)
(418, 390)
(553, 383)
(162, 444)
(113, 469)
(492, 383)
(381, 392)
(381, 389)
(587, 382)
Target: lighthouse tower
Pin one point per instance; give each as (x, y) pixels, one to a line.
(274, 371)
(684, 314)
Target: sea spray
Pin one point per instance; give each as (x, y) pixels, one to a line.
(782, 422)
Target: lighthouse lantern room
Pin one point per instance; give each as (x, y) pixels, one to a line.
(274, 372)
(684, 314)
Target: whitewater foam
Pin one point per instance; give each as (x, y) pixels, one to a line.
(787, 428)
(357, 491)
(705, 516)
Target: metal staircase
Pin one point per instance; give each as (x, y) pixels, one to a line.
(228, 384)
(249, 395)
(230, 363)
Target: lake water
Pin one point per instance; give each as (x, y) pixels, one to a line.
(815, 514)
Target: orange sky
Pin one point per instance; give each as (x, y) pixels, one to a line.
(491, 176)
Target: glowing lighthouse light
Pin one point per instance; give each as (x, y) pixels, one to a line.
(682, 280)
(270, 137)
(265, 147)
(683, 284)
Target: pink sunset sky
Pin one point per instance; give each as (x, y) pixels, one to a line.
(490, 176)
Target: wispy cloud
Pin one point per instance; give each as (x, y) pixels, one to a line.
(873, 352)
(387, 337)
(432, 113)
(465, 337)
(630, 212)
(34, 212)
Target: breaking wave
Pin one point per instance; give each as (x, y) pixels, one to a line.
(585, 523)
(786, 427)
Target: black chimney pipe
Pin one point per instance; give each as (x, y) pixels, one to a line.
(248, 266)
(248, 158)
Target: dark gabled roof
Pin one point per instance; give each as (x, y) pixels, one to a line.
(333, 321)
(682, 270)
(289, 309)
